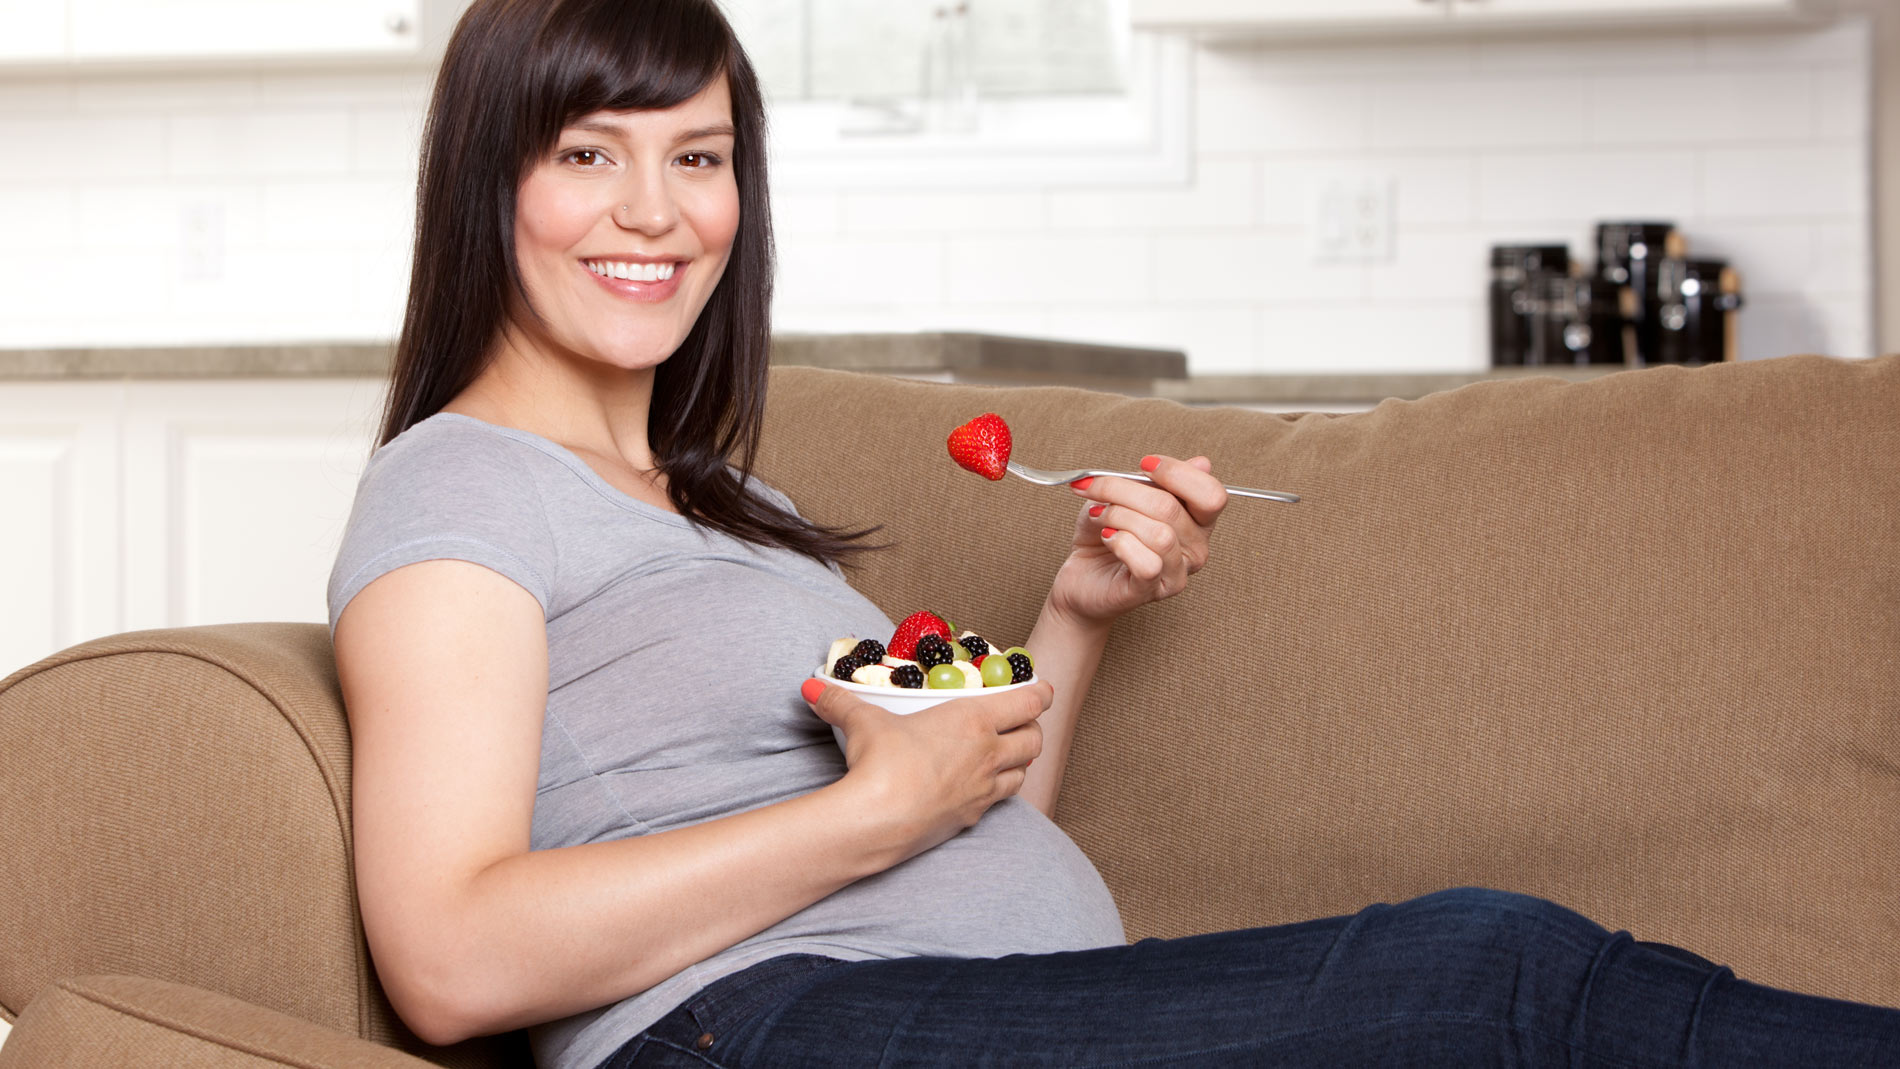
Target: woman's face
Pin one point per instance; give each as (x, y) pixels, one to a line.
(623, 229)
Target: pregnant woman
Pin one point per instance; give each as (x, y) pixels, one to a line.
(590, 796)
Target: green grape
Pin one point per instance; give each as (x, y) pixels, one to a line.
(944, 677)
(957, 650)
(995, 669)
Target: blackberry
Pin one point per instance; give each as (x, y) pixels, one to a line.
(870, 651)
(1019, 668)
(932, 650)
(908, 676)
(846, 665)
(975, 646)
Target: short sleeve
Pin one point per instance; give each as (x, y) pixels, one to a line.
(447, 494)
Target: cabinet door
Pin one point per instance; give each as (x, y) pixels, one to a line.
(149, 29)
(32, 29)
(59, 542)
(1284, 14)
(236, 495)
(1617, 9)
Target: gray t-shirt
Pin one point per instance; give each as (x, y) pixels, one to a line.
(674, 659)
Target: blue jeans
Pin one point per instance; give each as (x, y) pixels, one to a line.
(1458, 978)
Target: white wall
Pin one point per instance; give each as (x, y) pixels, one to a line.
(275, 206)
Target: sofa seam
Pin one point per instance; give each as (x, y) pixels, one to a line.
(154, 1017)
(330, 779)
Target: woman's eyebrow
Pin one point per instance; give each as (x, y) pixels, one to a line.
(602, 126)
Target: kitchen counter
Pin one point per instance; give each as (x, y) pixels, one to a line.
(983, 359)
(952, 356)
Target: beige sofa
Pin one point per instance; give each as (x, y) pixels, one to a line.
(1631, 644)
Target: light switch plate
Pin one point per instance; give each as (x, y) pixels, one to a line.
(1351, 217)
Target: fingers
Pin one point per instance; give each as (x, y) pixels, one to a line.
(1011, 710)
(834, 705)
(1192, 484)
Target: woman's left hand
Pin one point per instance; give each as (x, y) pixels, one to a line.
(1136, 543)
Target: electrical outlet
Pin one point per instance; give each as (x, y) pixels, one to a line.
(1352, 218)
(201, 241)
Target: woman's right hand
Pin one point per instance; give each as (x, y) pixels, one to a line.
(936, 771)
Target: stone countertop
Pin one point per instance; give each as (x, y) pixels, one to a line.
(986, 359)
(961, 357)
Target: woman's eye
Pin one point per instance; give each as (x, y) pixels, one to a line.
(586, 157)
(697, 160)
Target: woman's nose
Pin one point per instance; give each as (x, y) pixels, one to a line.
(647, 208)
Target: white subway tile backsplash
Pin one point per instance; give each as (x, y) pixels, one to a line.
(1773, 258)
(1780, 181)
(1279, 118)
(1727, 105)
(385, 140)
(1843, 259)
(1426, 266)
(1223, 194)
(936, 213)
(1218, 338)
(1014, 270)
(155, 93)
(1393, 338)
(1263, 268)
(273, 143)
(1756, 141)
(1555, 186)
(1513, 111)
(339, 214)
(868, 271)
(35, 217)
(1843, 104)
(800, 213)
(1428, 189)
(57, 151)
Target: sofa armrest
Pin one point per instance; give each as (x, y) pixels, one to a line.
(128, 1021)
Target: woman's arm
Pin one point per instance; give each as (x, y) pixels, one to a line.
(1134, 543)
(443, 666)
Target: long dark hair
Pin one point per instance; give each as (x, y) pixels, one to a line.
(516, 72)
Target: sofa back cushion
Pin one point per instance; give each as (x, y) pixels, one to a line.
(1631, 644)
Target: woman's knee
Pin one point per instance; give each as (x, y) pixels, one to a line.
(1481, 917)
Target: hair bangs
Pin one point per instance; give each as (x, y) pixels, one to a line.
(611, 55)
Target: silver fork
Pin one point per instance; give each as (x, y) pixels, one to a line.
(1059, 478)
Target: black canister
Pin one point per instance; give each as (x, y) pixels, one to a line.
(1517, 272)
(1580, 321)
(1696, 316)
(1627, 254)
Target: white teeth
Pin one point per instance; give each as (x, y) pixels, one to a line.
(632, 272)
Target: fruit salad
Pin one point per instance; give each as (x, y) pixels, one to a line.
(927, 653)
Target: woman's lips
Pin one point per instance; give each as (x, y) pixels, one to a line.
(638, 288)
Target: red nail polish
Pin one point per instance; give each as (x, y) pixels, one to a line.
(1083, 484)
(812, 688)
(1150, 463)
(1095, 511)
(1108, 532)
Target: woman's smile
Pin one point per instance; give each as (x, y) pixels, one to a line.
(638, 279)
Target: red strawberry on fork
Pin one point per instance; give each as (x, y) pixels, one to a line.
(982, 445)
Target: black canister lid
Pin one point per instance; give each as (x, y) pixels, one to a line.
(1531, 257)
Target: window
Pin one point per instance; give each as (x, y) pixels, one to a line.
(966, 92)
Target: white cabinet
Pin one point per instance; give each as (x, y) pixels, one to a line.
(144, 504)
(32, 29)
(139, 29)
(1266, 18)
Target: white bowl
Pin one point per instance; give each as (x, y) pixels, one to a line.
(902, 700)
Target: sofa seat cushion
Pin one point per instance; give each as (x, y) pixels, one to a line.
(129, 1022)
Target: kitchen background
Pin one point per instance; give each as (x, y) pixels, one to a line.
(1309, 198)
(259, 205)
